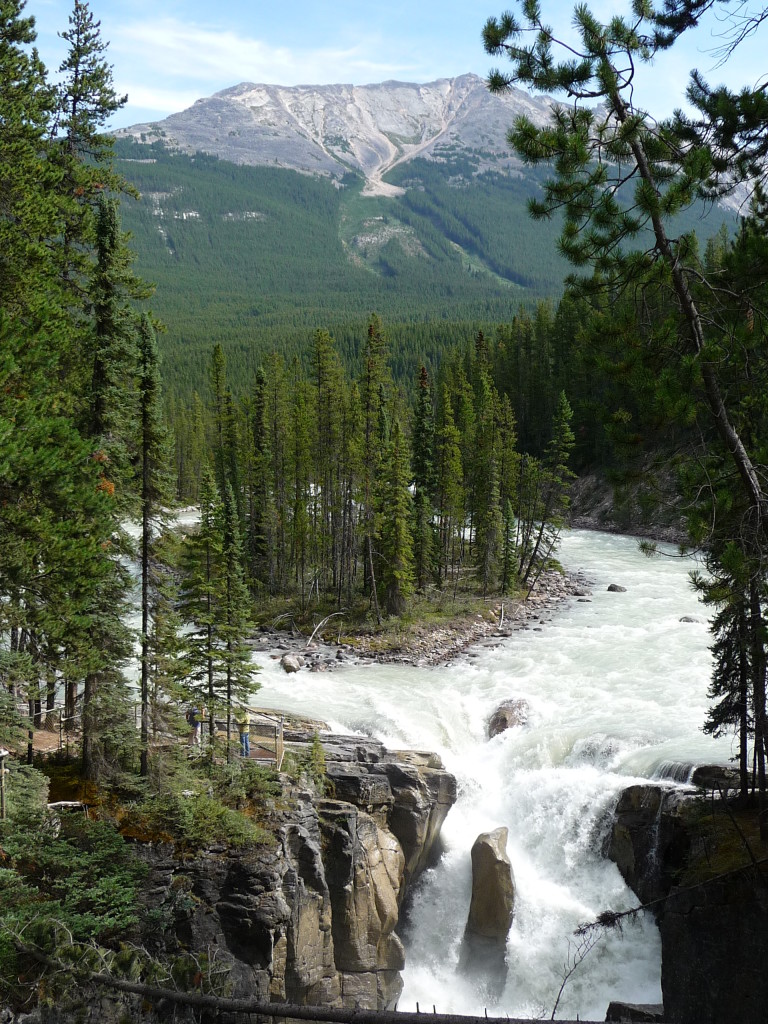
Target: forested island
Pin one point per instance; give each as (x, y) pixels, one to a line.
(347, 486)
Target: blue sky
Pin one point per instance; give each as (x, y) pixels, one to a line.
(168, 53)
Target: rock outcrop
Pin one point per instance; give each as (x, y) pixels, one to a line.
(648, 841)
(712, 907)
(311, 918)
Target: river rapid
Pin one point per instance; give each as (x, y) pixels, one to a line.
(616, 687)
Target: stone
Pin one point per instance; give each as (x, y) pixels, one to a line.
(712, 776)
(615, 588)
(507, 715)
(632, 1012)
(493, 888)
(484, 947)
(291, 662)
(688, 618)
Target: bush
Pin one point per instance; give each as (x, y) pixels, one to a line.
(192, 822)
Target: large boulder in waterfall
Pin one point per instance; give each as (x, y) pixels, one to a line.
(483, 951)
(507, 715)
(616, 588)
(493, 888)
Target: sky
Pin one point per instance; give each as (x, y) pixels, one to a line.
(168, 53)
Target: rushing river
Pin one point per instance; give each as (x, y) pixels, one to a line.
(617, 693)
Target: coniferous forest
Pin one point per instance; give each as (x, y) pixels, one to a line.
(384, 469)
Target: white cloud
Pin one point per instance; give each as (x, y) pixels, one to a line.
(155, 100)
(169, 52)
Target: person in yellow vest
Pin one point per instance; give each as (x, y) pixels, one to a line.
(243, 720)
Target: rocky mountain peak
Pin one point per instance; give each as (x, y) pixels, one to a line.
(333, 129)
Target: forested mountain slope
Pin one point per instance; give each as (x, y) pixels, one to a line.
(259, 256)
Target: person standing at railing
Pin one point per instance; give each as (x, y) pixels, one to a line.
(195, 718)
(243, 720)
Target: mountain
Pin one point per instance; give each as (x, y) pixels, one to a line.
(269, 212)
(334, 129)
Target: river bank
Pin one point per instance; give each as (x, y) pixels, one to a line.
(421, 644)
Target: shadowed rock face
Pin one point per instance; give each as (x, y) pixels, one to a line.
(311, 918)
(714, 931)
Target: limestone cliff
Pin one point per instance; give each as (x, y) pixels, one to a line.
(311, 919)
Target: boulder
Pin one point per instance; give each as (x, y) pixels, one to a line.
(493, 888)
(615, 588)
(507, 716)
(483, 952)
(714, 948)
(714, 776)
(291, 662)
(631, 1012)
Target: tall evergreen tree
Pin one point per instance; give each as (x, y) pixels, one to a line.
(30, 198)
(155, 497)
(394, 525)
(424, 483)
(233, 618)
(373, 398)
(199, 592)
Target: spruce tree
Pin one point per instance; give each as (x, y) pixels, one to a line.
(30, 197)
(200, 565)
(424, 484)
(233, 617)
(394, 525)
(373, 397)
(155, 496)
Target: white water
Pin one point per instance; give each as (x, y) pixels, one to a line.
(617, 691)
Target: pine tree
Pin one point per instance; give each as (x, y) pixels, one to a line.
(327, 494)
(86, 100)
(487, 496)
(260, 514)
(110, 367)
(301, 490)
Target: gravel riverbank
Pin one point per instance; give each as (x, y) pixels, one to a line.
(427, 644)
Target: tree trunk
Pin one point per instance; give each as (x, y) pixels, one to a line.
(758, 700)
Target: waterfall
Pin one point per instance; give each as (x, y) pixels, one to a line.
(616, 693)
